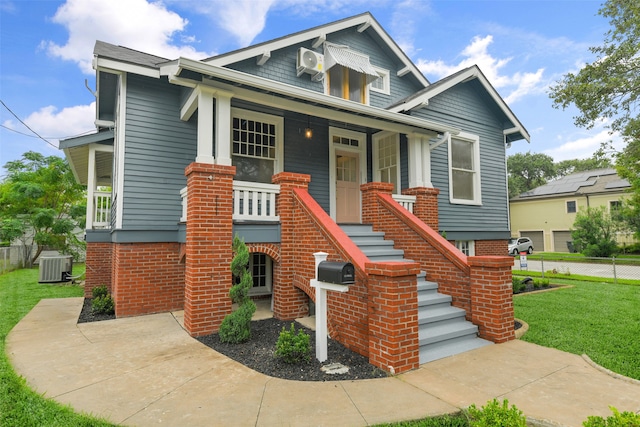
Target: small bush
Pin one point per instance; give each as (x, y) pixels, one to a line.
(624, 419)
(496, 414)
(103, 305)
(236, 327)
(100, 291)
(541, 283)
(517, 285)
(292, 347)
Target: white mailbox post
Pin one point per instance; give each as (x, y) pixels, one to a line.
(321, 307)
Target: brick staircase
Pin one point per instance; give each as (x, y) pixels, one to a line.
(443, 330)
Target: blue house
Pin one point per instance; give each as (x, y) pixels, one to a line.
(294, 144)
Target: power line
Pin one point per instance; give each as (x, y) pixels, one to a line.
(47, 137)
(25, 125)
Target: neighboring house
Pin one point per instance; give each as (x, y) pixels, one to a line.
(546, 214)
(279, 143)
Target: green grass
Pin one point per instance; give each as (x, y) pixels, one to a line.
(601, 320)
(19, 405)
(575, 277)
(455, 420)
(577, 257)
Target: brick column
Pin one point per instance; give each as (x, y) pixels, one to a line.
(289, 302)
(370, 205)
(426, 206)
(393, 316)
(492, 297)
(209, 246)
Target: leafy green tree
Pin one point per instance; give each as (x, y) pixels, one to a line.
(599, 160)
(528, 171)
(594, 232)
(41, 205)
(609, 89)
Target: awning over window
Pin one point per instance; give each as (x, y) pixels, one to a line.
(342, 55)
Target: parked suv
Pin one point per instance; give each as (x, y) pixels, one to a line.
(520, 244)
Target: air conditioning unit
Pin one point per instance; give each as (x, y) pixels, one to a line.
(55, 269)
(309, 62)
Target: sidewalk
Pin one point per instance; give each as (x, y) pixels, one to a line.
(146, 371)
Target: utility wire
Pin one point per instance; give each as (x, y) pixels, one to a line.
(47, 137)
(25, 125)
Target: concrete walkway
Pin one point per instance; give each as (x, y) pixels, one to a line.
(147, 371)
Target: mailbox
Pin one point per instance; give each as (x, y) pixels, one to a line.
(340, 273)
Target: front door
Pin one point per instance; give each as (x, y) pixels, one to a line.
(347, 187)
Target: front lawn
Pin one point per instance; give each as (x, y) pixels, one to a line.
(601, 320)
(19, 405)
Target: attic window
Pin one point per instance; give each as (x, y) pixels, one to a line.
(348, 73)
(381, 84)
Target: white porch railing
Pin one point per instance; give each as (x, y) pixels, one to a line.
(252, 201)
(405, 201)
(101, 209)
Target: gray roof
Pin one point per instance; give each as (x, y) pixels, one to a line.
(589, 182)
(124, 54)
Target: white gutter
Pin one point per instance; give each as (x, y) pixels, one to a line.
(174, 68)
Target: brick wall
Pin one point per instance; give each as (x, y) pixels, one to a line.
(306, 229)
(491, 248)
(209, 247)
(99, 266)
(147, 278)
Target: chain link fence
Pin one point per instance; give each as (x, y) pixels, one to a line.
(611, 268)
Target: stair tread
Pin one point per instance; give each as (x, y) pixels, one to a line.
(446, 331)
(433, 298)
(435, 352)
(440, 313)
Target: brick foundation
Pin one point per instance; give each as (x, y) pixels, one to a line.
(147, 278)
(99, 266)
(491, 247)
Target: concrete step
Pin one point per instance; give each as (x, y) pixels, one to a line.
(432, 315)
(452, 347)
(426, 286)
(432, 299)
(444, 331)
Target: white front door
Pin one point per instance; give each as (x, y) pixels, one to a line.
(347, 162)
(347, 187)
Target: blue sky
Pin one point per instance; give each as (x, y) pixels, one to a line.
(522, 47)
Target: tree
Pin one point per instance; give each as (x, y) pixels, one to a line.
(594, 232)
(609, 89)
(528, 171)
(599, 160)
(41, 205)
(236, 327)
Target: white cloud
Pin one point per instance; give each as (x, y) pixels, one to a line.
(477, 53)
(583, 146)
(137, 24)
(52, 124)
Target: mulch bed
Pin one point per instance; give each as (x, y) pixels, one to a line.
(87, 316)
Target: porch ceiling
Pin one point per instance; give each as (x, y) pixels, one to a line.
(77, 150)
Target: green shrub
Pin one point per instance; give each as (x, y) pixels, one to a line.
(624, 419)
(496, 414)
(100, 291)
(103, 305)
(292, 347)
(236, 327)
(544, 283)
(517, 285)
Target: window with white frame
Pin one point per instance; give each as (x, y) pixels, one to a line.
(467, 247)
(256, 140)
(383, 83)
(464, 170)
(261, 268)
(386, 157)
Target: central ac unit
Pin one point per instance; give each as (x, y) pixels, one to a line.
(309, 62)
(55, 269)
